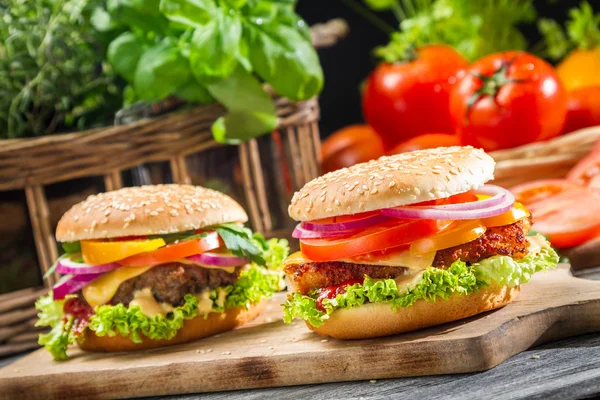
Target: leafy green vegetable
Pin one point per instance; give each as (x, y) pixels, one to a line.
(274, 250)
(238, 240)
(435, 284)
(52, 72)
(582, 31)
(216, 51)
(60, 336)
(161, 70)
(471, 27)
(242, 122)
(72, 247)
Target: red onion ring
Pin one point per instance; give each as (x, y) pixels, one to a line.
(71, 284)
(301, 233)
(218, 260)
(435, 212)
(498, 196)
(345, 226)
(67, 266)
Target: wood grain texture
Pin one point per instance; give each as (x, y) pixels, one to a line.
(268, 353)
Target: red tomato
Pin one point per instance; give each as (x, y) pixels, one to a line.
(350, 145)
(406, 99)
(568, 219)
(372, 239)
(584, 172)
(507, 100)
(174, 251)
(532, 192)
(583, 108)
(426, 141)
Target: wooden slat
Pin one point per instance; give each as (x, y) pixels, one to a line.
(20, 299)
(44, 258)
(46, 227)
(15, 316)
(259, 184)
(249, 189)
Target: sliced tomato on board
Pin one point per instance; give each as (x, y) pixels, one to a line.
(568, 219)
(585, 170)
(174, 251)
(379, 237)
(531, 192)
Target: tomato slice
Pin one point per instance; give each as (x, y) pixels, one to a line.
(531, 192)
(517, 213)
(586, 169)
(104, 252)
(372, 239)
(568, 219)
(456, 234)
(174, 251)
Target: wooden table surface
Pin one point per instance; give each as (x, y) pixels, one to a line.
(567, 369)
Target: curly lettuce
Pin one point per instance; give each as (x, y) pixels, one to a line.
(253, 285)
(434, 284)
(61, 334)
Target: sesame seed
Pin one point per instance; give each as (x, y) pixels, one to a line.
(328, 210)
(126, 225)
(336, 202)
(76, 218)
(160, 209)
(324, 340)
(226, 353)
(392, 184)
(174, 213)
(94, 223)
(154, 213)
(374, 191)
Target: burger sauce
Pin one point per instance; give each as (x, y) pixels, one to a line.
(330, 292)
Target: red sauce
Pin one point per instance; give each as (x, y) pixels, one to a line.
(82, 312)
(330, 292)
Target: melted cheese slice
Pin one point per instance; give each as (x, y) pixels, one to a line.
(148, 305)
(397, 259)
(103, 289)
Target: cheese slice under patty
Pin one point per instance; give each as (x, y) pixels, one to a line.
(396, 259)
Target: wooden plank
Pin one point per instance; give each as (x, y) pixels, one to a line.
(267, 353)
(18, 315)
(20, 299)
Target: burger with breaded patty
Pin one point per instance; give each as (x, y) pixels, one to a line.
(151, 266)
(407, 242)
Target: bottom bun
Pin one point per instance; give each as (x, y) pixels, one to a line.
(192, 329)
(378, 319)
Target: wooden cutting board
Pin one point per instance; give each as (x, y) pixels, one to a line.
(268, 353)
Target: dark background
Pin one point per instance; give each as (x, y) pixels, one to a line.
(349, 62)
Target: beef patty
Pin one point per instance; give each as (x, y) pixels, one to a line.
(171, 282)
(509, 240)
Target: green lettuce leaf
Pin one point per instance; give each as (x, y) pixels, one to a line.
(435, 284)
(60, 336)
(252, 286)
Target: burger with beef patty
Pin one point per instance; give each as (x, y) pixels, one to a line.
(156, 265)
(406, 242)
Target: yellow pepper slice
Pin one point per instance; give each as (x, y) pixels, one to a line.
(104, 252)
(517, 213)
(456, 234)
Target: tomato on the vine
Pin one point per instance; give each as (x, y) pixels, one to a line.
(406, 99)
(507, 100)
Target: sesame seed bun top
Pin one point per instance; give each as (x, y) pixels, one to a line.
(147, 210)
(393, 181)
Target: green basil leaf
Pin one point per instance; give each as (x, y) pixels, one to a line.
(194, 92)
(142, 14)
(284, 58)
(194, 13)
(124, 53)
(161, 71)
(214, 48)
(251, 111)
